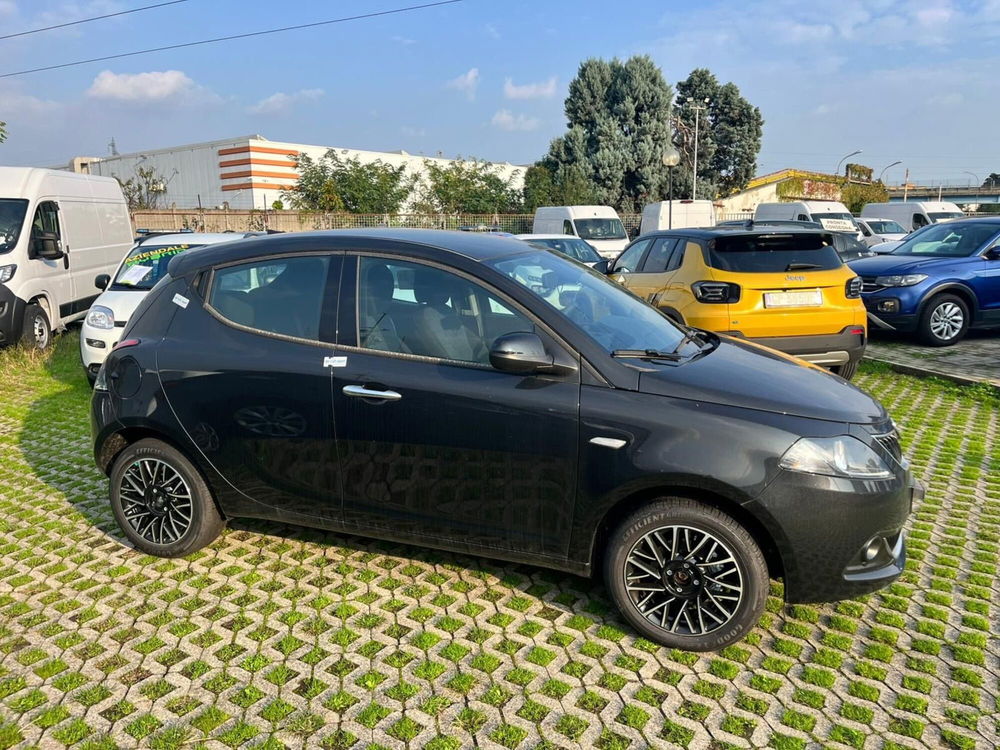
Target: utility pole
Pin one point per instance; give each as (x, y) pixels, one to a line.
(698, 108)
(906, 183)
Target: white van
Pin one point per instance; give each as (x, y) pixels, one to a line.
(913, 214)
(598, 225)
(686, 213)
(833, 216)
(58, 232)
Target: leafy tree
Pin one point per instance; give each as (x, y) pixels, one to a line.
(619, 124)
(3, 131)
(993, 181)
(144, 190)
(729, 135)
(855, 195)
(468, 186)
(334, 184)
(549, 184)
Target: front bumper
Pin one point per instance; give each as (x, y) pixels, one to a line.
(96, 343)
(826, 524)
(826, 350)
(11, 316)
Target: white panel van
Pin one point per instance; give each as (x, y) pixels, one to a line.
(598, 225)
(58, 232)
(833, 216)
(686, 213)
(913, 214)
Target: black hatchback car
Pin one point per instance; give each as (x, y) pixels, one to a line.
(477, 394)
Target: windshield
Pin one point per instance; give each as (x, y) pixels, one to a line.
(600, 229)
(774, 253)
(949, 240)
(945, 215)
(146, 265)
(885, 227)
(12, 211)
(572, 247)
(612, 316)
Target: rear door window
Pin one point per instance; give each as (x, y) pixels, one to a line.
(773, 253)
(283, 296)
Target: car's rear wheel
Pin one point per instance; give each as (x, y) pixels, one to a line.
(161, 501)
(848, 370)
(686, 575)
(944, 320)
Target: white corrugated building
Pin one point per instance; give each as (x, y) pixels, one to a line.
(245, 172)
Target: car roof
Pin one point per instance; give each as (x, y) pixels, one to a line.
(707, 233)
(190, 238)
(546, 237)
(471, 245)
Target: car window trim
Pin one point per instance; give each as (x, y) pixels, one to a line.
(332, 254)
(505, 298)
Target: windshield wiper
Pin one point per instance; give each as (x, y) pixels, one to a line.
(644, 354)
(801, 266)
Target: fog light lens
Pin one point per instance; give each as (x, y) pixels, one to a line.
(873, 548)
(96, 343)
(888, 305)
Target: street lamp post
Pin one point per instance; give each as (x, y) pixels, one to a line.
(886, 169)
(671, 158)
(853, 153)
(978, 184)
(698, 108)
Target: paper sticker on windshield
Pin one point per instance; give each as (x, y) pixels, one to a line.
(180, 300)
(155, 254)
(133, 275)
(837, 225)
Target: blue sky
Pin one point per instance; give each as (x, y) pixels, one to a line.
(914, 80)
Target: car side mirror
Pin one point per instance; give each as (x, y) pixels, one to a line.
(520, 353)
(602, 266)
(993, 253)
(102, 281)
(46, 246)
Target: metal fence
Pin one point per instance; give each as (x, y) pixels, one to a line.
(169, 220)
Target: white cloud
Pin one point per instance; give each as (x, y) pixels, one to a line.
(404, 40)
(492, 31)
(934, 16)
(506, 120)
(282, 102)
(541, 90)
(7, 8)
(412, 132)
(467, 83)
(142, 87)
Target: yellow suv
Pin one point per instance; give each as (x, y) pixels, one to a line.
(787, 288)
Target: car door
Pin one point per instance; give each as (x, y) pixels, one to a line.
(986, 283)
(54, 275)
(247, 374)
(654, 273)
(434, 443)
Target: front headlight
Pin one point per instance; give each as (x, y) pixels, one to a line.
(7, 273)
(906, 280)
(101, 317)
(842, 456)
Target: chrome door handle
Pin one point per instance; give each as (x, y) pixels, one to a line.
(359, 391)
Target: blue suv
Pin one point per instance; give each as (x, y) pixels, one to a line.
(939, 283)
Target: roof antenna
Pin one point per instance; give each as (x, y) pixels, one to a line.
(112, 147)
(750, 223)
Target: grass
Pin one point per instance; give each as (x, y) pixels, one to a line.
(278, 636)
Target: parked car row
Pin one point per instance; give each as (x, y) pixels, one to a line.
(481, 394)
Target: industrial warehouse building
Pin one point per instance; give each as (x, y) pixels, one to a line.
(249, 172)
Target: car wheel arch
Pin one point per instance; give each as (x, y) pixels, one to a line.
(672, 313)
(959, 290)
(629, 504)
(118, 441)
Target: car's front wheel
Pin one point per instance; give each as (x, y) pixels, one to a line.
(944, 320)
(37, 331)
(161, 502)
(686, 575)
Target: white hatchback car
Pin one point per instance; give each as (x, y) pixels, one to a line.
(570, 246)
(138, 272)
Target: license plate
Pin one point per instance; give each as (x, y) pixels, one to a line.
(810, 298)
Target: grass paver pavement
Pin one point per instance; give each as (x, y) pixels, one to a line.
(280, 636)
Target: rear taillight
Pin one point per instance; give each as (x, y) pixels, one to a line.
(853, 287)
(125, 344)
(718, 292)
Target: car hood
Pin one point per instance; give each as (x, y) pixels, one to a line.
(884, 265)
(121, 303)
(746, 375)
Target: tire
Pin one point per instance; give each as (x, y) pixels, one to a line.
(36, 331)
(91, 378)
(944, 321)
(171, 488)
(847, 371)
(675, 623)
